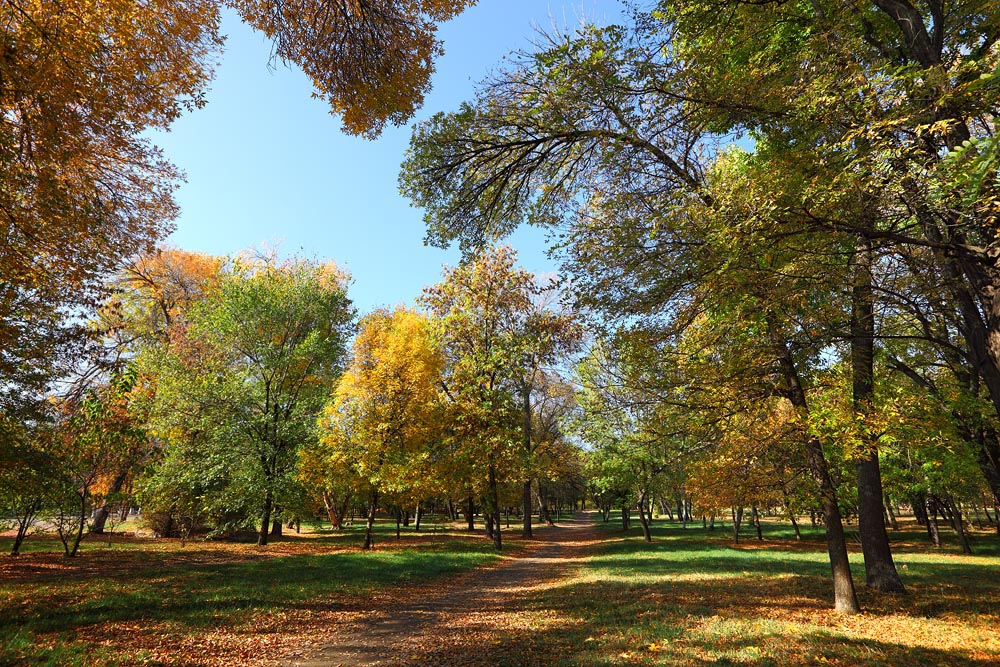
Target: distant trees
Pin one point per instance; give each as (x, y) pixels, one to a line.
(387, 412)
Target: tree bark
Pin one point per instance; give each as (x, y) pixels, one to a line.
(844, 596)
(265, 521)
(646, 534)
(930, 504)
(470, 513)
(892, 515)
(880, 570)
(370, 523)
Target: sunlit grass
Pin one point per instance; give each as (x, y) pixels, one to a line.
(694, 597)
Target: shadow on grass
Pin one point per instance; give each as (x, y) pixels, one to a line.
(197, 596)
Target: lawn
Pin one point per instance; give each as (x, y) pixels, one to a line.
(693, 597)
(151, 602)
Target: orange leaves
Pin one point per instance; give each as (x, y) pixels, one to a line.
(371, 61)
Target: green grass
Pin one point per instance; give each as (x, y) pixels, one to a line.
(53, 618)
(693, 597)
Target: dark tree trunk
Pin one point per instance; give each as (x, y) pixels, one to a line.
(495, 506)
(755, 515)
(24, 520)
(418, 515)
(276, 528)
(919, 504)
(101, 516)
(737, 520)
(646, 534)
(930, 504)
(470, 513)
(543, 500)
(892, 515)
(844, 595)
(955, 515)
(988, 457)
(880, 570)
(526, 509)
(265, 520)
(370, 523)
(626, 516)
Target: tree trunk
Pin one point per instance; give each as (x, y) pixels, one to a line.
(276, 528)
(526, 509)
(892, 515)
(844, 596)
(955, 513)
(370, 523)
(265, 521)
(101, 516)
(626, 516)
(418, 516)
(755, 515)
(919, 504)
(495, 509)
(880, 570)
(930, 504)
(24, 520)
(737, 520)
(470, 513)
(646, 534)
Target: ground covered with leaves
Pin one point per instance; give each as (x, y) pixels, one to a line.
(581, 594)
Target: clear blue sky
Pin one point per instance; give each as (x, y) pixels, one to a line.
(266, 163)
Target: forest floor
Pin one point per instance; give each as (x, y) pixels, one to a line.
(581, 594)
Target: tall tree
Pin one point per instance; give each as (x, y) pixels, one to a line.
(385, 414)
(247, 374)
(484, 311)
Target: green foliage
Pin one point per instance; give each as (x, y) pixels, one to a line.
(240, 385)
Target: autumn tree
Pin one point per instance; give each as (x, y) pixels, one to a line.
(385, 414)
(245, 377)
(83, 82)
(484, 313)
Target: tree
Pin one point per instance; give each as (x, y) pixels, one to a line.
(84, 188)
(483, 311)
(245, 377)
(385, 414)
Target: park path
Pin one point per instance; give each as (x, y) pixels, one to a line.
(469, 620)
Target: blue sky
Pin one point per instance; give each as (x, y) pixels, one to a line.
(267, 164)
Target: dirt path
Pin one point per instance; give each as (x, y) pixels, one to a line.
(470, 620)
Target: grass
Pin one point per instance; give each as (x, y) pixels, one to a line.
(693, 597)
(154, 601)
